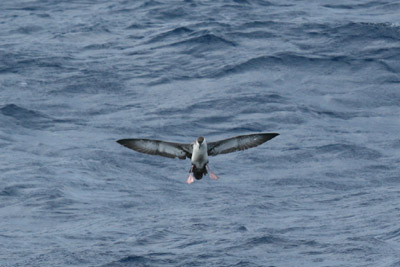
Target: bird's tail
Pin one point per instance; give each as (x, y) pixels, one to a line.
(199, 172)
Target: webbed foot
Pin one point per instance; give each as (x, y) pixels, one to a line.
(190, 179)
(212, 175)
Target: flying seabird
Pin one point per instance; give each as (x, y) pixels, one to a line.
(198, 151)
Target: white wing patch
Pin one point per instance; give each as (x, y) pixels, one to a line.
(156, 147)
(237, 143)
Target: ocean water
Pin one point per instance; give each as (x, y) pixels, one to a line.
(75, 76)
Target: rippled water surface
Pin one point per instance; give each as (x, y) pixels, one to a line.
(77, 75)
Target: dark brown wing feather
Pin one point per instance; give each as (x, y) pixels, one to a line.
(237, 143)
(157, 147)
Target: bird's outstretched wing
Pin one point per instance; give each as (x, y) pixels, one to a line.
(237, 143)
(157, 147)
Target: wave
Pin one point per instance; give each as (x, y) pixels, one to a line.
(99, 46)
(349, 151)
(20, 63)
(319, 64)
(252, 34)
(329, 113)
(28, 118)
(150, 4)
(10, 191)
(90, 82)
(206, 40)
(178, 32)
(265, 24)
(368, 5)
(241, 3)
(246, 103)
(151, 259)
(27, 29)
(20, 113)
(136, 26)
(356, 6)
(266, 239)
(366, 31)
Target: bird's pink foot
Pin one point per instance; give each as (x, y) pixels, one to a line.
(212, 175)
(190, 179)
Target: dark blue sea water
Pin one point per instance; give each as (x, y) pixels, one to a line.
(75, 76)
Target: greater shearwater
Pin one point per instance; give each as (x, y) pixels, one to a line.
(198, 151)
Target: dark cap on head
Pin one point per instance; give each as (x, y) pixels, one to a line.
(200, 140)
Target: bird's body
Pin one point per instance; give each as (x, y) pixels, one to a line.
(199, 155)
(198, 151)
(200, 160)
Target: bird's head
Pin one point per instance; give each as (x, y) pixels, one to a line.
(200, 140)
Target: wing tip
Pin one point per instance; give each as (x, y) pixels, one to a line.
(122, 142)
(270, 135)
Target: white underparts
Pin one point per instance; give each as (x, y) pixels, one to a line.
(199, 155)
